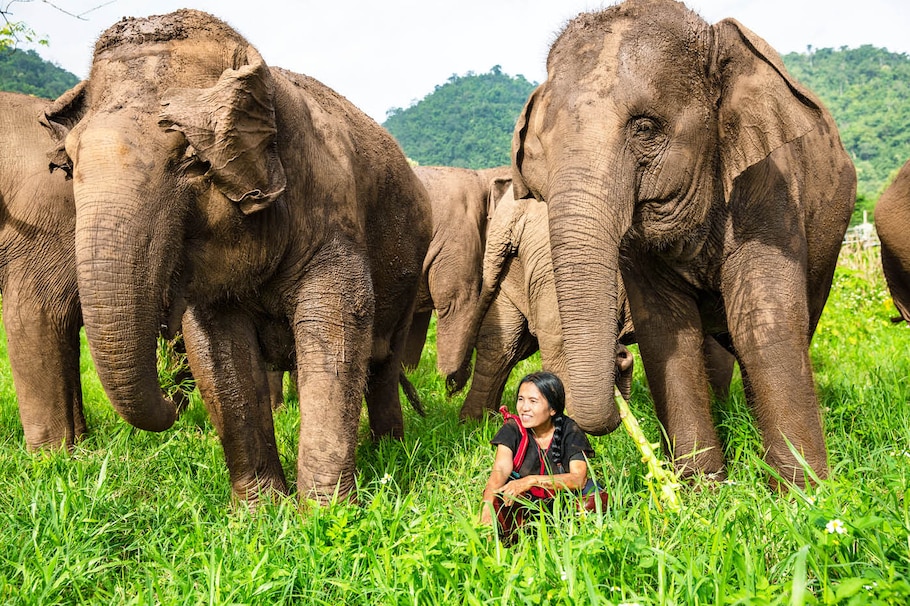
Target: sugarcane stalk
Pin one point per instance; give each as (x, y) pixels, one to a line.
(658, 474)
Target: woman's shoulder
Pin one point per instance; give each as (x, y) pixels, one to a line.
(569, 424)
(508, 434)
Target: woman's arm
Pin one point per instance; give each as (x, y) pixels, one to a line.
(573, 480)
(502, 468)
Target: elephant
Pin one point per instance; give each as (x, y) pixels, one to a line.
(892, 221)
(519, 313)
(686, 157)
(261, 212)
(461, 199)
(41, 313)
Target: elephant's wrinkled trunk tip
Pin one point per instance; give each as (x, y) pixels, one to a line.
(160, 418)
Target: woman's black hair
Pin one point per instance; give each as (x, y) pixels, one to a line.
(551, 387)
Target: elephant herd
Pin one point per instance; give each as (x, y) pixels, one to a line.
(666, 170)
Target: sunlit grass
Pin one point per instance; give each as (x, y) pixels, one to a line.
(143, 518)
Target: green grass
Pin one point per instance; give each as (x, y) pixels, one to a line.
(142, 518)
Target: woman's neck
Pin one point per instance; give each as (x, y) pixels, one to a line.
(544, 432)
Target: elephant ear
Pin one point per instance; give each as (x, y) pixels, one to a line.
(59, 117)
(498, 188)
(527, 152)
(232, 127)
(761, 106)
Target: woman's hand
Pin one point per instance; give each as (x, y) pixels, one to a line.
(486, 513)
(516, 488)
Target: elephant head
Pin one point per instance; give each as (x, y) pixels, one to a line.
(647, 117)
(462, 200)
(156, 175)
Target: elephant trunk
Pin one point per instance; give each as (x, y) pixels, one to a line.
(121, 281)
(585, 233)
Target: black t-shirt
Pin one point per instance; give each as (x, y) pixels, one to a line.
(575, 446)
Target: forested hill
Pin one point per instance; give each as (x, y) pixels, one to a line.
(468, 120)
(465, 122)
(867, 90)
(24, 71)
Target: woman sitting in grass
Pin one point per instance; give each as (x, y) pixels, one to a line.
(538, 451)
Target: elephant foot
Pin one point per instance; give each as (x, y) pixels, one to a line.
(706, 463)
(344, 491)
(256, 491)
(470, 412)
(791, 473)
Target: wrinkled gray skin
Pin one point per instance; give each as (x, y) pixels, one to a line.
(461, 200)
(686, 154)
(41, 311)
(277, 220)
(519, 313)
(892, 223)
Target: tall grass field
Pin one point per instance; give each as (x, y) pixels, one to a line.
(142, 518)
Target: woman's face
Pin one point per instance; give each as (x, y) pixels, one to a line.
(533, 408)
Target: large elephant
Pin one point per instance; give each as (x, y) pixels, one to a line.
(461, 200)
(892, 223)
(686, 154)
(279, 222)
(519, 313)
(41, 311)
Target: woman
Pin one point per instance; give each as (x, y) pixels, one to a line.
(538, 452)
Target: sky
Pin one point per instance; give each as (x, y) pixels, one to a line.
(384, 54)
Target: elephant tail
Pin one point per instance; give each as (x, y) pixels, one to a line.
(410, 393)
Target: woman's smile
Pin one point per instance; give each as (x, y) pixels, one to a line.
(533, 408)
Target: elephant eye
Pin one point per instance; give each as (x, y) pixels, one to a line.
(644, 128)
(191, 164)
(646, 136)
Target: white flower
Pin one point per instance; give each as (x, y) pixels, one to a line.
(835, 526)
(564, 576)
(385, 479)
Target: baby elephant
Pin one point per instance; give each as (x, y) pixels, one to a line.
(519, 313)
(892, 220)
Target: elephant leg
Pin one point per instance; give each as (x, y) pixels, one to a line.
(670, 344)
(768, 326)
(333, 328)
(417, 338)
(223, 350)
(43, 350)
(502, 341)
(276, 388)
(719, 363)
(383, 402)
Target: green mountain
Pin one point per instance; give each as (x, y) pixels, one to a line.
(25, 72)
(465, 122)
(867, 90)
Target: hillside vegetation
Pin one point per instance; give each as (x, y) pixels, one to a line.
(468, 120)
(26, 72)
(867, 90)
(465, 122)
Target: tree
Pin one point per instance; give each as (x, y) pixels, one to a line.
(14, 32)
